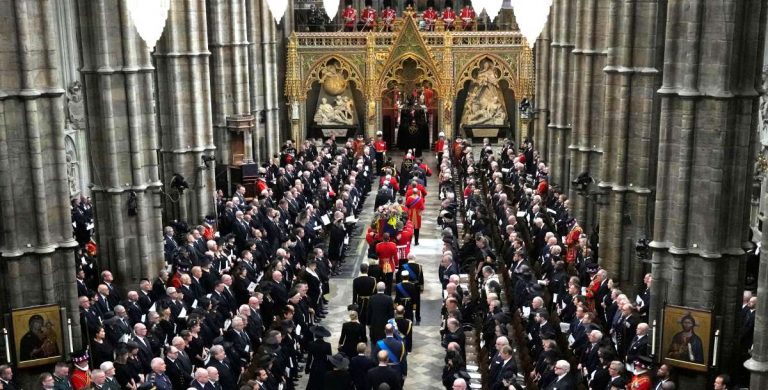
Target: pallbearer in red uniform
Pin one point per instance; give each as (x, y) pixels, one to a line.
(350, 17)
(415, 205)
(388, 16)
(467, 17)
(368, 17)
(381, 151)
(430, 16)
(386, 251)
(449, 16)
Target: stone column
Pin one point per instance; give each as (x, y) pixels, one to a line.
(186, 127)
(708, 115)
(560, 125)
(631, 77)
(269, 66)
(118, 79)
(34, 190)
(228, 43)
(256, 71)
(543, 82)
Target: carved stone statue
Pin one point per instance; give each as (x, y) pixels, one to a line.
(341, 113)
(75, 108)
(485, 102)
(763, 126)
(324, 114)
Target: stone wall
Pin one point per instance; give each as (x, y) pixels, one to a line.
(657, 100)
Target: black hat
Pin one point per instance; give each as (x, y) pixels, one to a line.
(320, 331)
(387, 3)
(431, 3)
(643, 361)
(448, 4)
(80, 356)
(353, 307)
(339, 361)
(592, 267)
(368, 3)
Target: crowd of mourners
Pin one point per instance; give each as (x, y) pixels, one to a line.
(241, 301)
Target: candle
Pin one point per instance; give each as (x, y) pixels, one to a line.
(69, 333)
(7, 346)
(653, 339)
(714, 354)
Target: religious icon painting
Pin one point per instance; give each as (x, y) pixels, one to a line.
(686, 339)
(37, 335)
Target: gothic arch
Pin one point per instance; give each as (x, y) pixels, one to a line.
(350, 72)
(429, 72)
(506, 72)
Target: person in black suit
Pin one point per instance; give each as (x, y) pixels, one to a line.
(241, 342)
(589, 359)
(201, 380)
(359, 366)
(362, 288)
(227, 378)
(564, 380)
(380, 310)
(384, 374)
(639, 344)
(145, 348)
(352, 333)
(508, 368)
(180, 379)
(170, 247)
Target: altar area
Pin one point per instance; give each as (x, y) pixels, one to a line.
(409, 83)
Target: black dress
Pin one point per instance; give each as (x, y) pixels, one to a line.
(352, 333)
(195, 348)
(124, 372)
(101, 352)
(317, 363)
(338, 380)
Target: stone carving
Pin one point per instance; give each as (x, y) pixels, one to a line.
(341, 113)
(73, 166)
(763, 127)
(75, 106)
(485, 102)
(333, 80)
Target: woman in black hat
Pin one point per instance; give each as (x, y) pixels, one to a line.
(318, 352)
(338, 378)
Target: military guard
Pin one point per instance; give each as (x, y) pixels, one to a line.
(362, 288)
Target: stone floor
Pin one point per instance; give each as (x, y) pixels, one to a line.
(425, 362)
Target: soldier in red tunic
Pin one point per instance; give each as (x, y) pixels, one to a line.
(449, 16)
(415, 205)
(350, 17)
(388, 16)
(381, 151)
(439, 145)
(386, 251)
(368, 17)
(467, 17)
(429, 16)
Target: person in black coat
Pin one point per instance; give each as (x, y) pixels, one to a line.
(380, 310)
(359, 366)
(384, 374)
(564, 379)
(363, 287)
(352, 333)
(227, 378)
(318, 352)
(508, 368)
(336, 241)
(338, 378)
(639, 344)
(180, 379)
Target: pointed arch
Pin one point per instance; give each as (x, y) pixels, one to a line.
(509, 72)
(349, 70)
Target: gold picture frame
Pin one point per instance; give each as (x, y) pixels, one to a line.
(37, 335)
(686, 339)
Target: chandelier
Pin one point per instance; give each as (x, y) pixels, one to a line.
(331, 8)
(531, 17)
(149, 17)
(277, 8)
